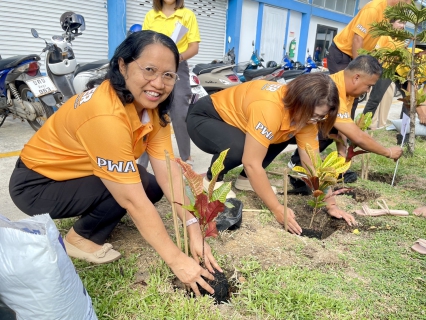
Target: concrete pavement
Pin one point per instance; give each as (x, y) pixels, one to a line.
(14, 134)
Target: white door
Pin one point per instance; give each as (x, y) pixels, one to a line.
(211, 18)
(274, 22)
(19, 16)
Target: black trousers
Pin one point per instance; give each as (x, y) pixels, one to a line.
(213, 135)
(86, 197)
(376, 95)
(338, 61)
(324, 142)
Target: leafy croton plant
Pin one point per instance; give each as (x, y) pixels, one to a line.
(363, 121)
(320, 176)
(205, 206)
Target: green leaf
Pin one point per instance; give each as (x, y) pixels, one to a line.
(221, 192)
(216, 168)
(229, 205)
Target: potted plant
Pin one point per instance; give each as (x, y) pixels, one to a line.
(320, 177)
(206, 206)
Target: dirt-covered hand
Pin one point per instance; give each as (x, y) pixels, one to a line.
(292, 225)
(338, 213)
(421, 113)
(196, 247)
(190, 273)
(395, 152)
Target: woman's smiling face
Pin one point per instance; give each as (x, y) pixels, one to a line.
(148, 94)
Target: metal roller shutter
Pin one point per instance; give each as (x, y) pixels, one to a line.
(19, 16)
(211, 18)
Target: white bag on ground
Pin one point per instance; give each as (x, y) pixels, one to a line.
(37, 278)
(420, 129)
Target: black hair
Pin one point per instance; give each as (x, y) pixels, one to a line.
(366, 64)
(131, 48)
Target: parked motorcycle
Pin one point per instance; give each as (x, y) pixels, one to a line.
(24, 92)
(61, 65)
(219, 74)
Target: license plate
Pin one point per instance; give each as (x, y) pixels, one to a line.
(282, 80)
(197, 93)
(41, 86)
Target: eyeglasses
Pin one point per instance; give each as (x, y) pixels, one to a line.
(319, 118)
(150, 74)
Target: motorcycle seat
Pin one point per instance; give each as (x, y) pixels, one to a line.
(16, 60)
(91, 65)
(290, 74)
(206, 67)
(250, 74)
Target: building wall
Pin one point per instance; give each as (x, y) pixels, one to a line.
(248, 29)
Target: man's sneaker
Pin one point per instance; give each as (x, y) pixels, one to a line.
(244, 184)
(349, 176)
(299, 187)
(206, 183)
(291, 165)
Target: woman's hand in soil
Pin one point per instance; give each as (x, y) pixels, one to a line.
(338, 213)
(292, 225)
(196, 247)
(190, 273)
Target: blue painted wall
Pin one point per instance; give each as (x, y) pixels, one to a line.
(233, 25)
(116, 24)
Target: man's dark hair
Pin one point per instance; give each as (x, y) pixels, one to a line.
(366, 64)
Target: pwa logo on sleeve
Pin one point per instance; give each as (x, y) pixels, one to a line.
(271, 87)
(360, 27)
(343, 115)
(120, 166)
(264, 130)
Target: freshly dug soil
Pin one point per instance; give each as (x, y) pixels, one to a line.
(323, 224)
(220, 285)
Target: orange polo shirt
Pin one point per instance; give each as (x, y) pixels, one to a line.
(373, 11)
(345, 101)
(257, 107)
(94, 134)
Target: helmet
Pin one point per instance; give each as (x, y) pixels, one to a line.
(271, 64)
(135, 28)
(71, 21)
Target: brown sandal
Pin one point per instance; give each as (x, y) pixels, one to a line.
(105, 255)
(419, 246)
(366, 211)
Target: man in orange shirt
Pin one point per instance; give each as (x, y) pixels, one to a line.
(358, 77)
(356, 34)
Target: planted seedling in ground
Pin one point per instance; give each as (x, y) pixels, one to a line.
(320, 178)
(206, 207)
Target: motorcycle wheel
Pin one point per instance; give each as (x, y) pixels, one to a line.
(43, 111)
(362, 97)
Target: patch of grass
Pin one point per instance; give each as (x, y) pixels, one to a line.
(375, 274)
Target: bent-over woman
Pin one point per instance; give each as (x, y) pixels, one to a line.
(256, 121)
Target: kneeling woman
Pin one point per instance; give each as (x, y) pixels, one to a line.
(82, 162)
(256, 121)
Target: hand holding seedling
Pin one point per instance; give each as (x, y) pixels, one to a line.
(196, 247)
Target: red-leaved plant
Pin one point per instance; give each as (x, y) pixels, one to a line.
(206, 206)
(363, 121)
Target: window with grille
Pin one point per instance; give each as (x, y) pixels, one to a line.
(342, 6)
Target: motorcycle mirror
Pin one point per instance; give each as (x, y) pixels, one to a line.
(34, 33)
